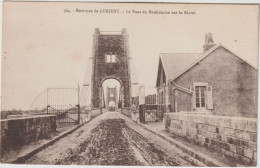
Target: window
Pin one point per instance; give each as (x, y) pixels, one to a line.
(111, 95)
(113, 58)
(110, 57)
(200, 93)
(202, 96)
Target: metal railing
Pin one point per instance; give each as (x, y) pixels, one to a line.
(151, 112)
(64, 102)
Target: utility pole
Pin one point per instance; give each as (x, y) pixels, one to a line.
(78, 122)
(47, 100)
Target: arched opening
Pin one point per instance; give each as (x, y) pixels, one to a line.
(111, 97)
(111, 106)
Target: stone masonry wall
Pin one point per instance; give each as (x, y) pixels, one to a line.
(20, 131)
(4, 114)
(235, 137)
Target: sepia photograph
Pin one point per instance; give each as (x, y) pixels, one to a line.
(129, 84)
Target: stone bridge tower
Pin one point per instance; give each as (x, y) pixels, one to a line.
(110, 61)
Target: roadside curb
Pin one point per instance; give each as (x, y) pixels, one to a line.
(21, 159)
(190, 151)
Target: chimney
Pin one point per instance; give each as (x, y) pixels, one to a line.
(97, 31)
(209, 42)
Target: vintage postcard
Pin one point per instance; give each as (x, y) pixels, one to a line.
(129, 84)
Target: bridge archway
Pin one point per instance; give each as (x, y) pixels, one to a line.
(111, 92)
(111, 104)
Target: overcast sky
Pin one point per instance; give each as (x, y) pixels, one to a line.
(45, 47)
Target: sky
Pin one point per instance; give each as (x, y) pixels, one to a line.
(44, 47)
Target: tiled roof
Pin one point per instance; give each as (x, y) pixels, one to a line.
(176, 62)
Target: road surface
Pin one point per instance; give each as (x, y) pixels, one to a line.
(113, 139)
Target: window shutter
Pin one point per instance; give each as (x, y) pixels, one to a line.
(209, 98)
(193, 99)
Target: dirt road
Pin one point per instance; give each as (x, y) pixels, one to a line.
(113, 139)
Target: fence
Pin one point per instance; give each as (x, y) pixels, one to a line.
(64, 102)
(150, 111)
(151, 99)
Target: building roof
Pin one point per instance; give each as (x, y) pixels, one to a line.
(175, 64)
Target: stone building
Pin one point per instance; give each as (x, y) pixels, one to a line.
(216, 81)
